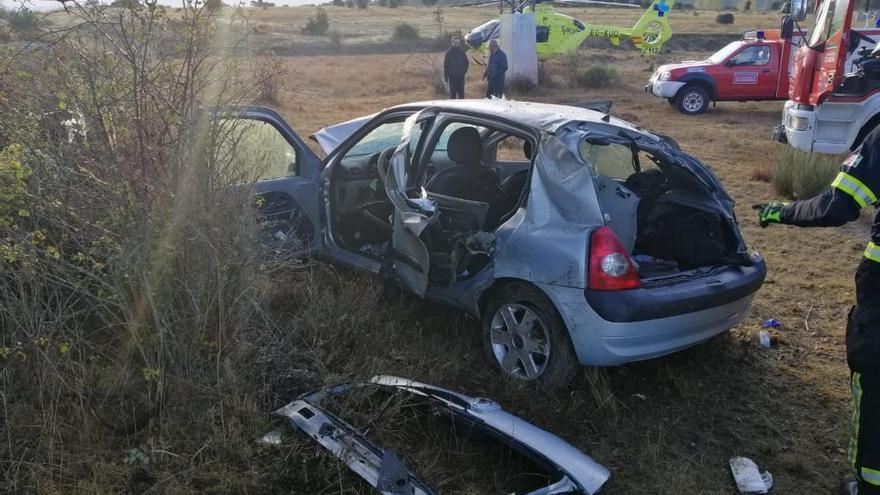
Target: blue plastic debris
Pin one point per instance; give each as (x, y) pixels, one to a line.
(771, 324)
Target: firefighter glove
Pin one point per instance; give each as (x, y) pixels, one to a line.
(769, 212)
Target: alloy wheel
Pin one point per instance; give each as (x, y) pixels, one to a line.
(520, 341)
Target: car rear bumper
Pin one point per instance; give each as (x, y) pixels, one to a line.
(664, 89)
(685, 317)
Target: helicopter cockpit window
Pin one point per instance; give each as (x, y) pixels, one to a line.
(579, 25)
(542, 34)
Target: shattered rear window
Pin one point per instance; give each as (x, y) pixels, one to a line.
(614, 160)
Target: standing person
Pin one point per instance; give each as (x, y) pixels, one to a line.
(856, 186)
(455, 67)
(495, 70)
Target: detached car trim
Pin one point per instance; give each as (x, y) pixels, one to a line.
(572, 470)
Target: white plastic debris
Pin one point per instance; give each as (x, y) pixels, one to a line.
(273, 437)
(764, 337)
(748, 478)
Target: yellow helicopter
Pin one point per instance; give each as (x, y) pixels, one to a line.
(560, 34)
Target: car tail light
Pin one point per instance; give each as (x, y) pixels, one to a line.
(610, 266)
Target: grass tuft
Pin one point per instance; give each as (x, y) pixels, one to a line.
(800, 175)
(596, 76)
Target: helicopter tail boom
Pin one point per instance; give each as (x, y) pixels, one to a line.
(652, 29)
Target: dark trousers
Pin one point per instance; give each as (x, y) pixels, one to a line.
(495, 87)
(863, 356)
(456, 88)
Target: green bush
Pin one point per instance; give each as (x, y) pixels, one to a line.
(519, 84)
(23, 21)
(405, 32)
(596, 76)
(318, 25)
(726, 18)
(800, 175)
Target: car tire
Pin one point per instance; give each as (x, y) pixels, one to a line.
(692, 100)
(552, 362)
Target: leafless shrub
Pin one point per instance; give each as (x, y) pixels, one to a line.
(131, 288)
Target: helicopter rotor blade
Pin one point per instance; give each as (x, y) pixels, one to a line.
(598, 2)
(475, 4)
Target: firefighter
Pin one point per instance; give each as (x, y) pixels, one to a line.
(855, 187)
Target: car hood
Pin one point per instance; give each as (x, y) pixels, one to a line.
(332, 136)
(687, 64)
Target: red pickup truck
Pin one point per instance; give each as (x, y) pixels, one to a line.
(754, 68)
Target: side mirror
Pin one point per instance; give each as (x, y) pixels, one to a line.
(798, 9)
(787, 28)
(729, 63)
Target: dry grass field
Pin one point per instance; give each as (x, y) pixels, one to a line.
(665, 426)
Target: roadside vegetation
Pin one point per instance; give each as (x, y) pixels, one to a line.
(595, 76)
(133, 294)
(800, 175)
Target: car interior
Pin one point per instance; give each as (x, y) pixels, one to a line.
(677, 225)
(477, 175)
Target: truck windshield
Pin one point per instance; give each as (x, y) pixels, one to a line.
(829, 20)
(721, 55)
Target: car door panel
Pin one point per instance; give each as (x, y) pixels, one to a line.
(287, 203)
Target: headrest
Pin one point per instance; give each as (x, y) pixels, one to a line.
(465, 147)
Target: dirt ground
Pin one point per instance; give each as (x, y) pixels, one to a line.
(786, 407)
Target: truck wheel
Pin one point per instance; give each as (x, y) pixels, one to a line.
(526, 338)
(692, 100)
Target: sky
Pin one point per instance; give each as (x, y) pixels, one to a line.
(52, 5)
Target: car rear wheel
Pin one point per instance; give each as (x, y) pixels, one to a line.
(692, 100)
(525, 337)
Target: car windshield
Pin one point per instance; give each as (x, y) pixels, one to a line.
(384, 136)
(721, 55)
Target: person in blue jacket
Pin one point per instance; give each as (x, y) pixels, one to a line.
(495, 71)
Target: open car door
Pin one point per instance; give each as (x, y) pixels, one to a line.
(428, 230)
(258, 144)
(413, 213)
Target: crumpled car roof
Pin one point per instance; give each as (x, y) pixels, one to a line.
(543, 116)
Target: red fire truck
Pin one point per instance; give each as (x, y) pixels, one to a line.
(754, 68)
(833, 101)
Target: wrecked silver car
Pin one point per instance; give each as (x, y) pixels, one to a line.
(574, 236)
(555, 465)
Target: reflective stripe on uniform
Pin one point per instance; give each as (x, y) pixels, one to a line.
(856, 417)
(873, 252)
(861, 193)
(870, 476)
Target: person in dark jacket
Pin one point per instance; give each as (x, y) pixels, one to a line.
(855, 187)
(455, 67)
(495, 71)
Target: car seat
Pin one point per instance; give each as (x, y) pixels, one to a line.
(469, 178)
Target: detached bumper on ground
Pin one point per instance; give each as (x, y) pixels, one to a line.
(571, 470)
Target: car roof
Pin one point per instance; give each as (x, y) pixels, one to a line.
(541, 116)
